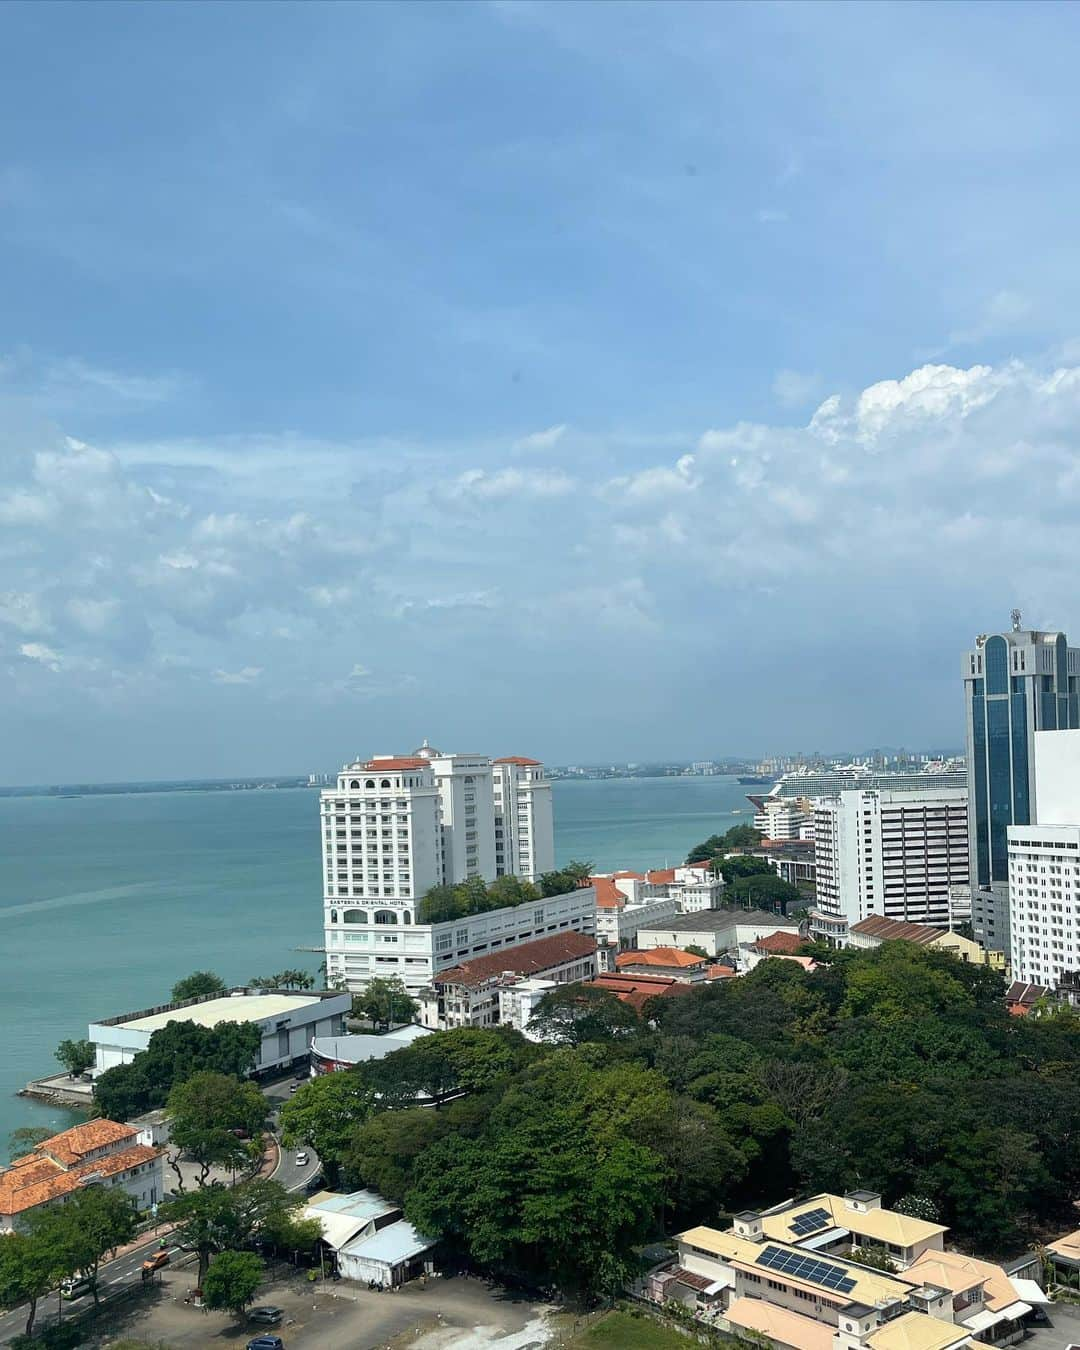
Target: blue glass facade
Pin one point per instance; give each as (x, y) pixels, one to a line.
(1023, 686)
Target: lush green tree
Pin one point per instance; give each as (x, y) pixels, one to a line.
(762, 891)
(424, 1069)
(877, 1258)
(284, 979)
(93, 1222)
(572, 1014)
(76, 1056)
(29, 1268)
(291, 1232)
(385, 1002)
(26, 1138)
(741, 865)
(177, 1051)
(217, 1218)
(384, 1149)
(216, 1121)
(325, 1114)
(509, 890)
(695, 950)
(569, 878)
(714, 848)
(439, 905)
(232, 1281)
(197, 985)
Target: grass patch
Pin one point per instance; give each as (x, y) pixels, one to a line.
(621, 1331)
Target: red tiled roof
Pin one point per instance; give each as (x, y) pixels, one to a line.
(46, 1174)
(720, 973)
(530, 958)
(608, 895)
(672, 957)
(663, 877)
(779, 942)
(74, 1144)
(395, 763)
(636, 990)
(628, 876)
(517, 759)
(701, 866)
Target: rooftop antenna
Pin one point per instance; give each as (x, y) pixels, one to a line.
(1016, 617)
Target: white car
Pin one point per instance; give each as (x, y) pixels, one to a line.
(302, 1159)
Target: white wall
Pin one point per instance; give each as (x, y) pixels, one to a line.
(1057, 777)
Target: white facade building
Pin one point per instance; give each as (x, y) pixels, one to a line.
(394, 827)
(1044, 869)
(524, 818)
(899, 854)
(287, 1021)
(783, 817)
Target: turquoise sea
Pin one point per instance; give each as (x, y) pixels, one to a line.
(105, 901)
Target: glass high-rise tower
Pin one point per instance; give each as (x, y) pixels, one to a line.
(1015, 684)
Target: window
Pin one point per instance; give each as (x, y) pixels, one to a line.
(355, 916)
(370, 783)
(385, 782)
(385, 916)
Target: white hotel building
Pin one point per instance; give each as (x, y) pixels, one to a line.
(1044, 869)
(395, 826)
(895, 853)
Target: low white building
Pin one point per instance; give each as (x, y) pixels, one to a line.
(288, 1022)
(97, 1153)
(518, 1002)
(717, 931)
(369, 1238)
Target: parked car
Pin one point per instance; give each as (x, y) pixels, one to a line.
(269, 1316)
(265, 1343)
(302, 1159)
(155, 1262)
(293, 1087)
(72, 1288)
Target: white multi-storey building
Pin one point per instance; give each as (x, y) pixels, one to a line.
(898, 854)
(1044, 869)
(524, 818)
(395, 826)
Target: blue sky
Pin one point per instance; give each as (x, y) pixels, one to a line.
(588, 381)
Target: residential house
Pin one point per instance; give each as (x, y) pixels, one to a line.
(467, 995)
(636, 990)
(1021, 997)
(716, 932)
(786, 945)
(985, 1299)
(1063, 1256)
(670, 961)
(622, 908)
(836, 1224)
(97, 1153)
(872, 932)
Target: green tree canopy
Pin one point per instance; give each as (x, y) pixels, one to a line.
(284, 979)
(216, 1218)
(232, 1281)
(215, 1120)
(177, 1051)
(93, 1222)
(197, 985)
(76, 1056)
(713, 848)
(29, 1268)
(385, 1002)
(325, 1114)
(572, 1014)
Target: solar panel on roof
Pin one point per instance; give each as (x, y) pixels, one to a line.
(810, 1222)
(807, 1268)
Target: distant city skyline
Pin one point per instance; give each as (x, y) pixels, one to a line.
(377, 391)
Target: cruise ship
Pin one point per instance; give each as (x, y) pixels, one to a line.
(804, 782)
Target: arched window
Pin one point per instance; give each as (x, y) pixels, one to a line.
(355, 783)
(356, 916)
(385, 782)
(385, 916)
(370, 783)
(333, 916)
(469, 778)
(406, 917)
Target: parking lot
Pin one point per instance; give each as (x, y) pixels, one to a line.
(445, 1313)
(1065, 1329)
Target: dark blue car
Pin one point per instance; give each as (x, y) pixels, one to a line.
(266, 1343)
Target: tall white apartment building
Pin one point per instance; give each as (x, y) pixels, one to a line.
(524, 818)
(394, 826)
(895, 853)
(1044, 869)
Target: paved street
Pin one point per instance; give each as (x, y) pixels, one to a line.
(126, 1270)
(1065, 1329)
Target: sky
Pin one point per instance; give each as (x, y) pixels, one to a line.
(587, 381)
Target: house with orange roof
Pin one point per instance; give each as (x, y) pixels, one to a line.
(619, 916)
(636, 989)
(97, 1153)
(670, 961)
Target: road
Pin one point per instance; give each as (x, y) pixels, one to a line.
(127, 1269)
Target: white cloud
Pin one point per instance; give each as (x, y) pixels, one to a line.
(246, 675)
(24, 611)
(479, 484)
(37, 651)
(541, 440)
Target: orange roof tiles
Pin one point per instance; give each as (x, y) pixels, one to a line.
(628, 876)
(671, 957)
(636, 990)
(83, 1139)
(397, 762)
(720, 973)
(35, 1180)
(518, 759)
(897, 930)
(608, 895)
(664, 876)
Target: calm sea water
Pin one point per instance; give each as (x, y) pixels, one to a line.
(106, 901)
